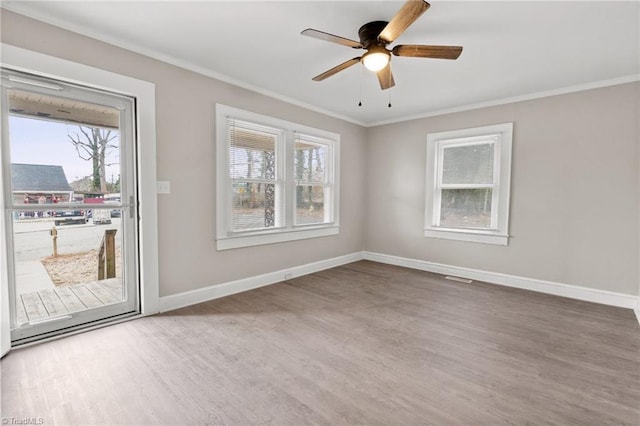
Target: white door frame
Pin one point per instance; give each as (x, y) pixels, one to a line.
(144, 92)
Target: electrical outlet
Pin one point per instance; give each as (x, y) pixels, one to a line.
(460, 280)
(163, 187)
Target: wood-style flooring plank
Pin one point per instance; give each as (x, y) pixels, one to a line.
(361, 344)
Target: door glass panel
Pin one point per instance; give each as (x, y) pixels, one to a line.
(73, 239)
(65, 262)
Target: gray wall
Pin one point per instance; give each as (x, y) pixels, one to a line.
(574, 190)
(185, 106)
(575, 202)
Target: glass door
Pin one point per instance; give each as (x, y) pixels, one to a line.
(68, 158)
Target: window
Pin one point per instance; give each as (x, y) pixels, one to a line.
(313, 183)
(276, 180)
(468, 180)
(255, 178)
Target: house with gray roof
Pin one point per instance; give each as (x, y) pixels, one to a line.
(39, 183)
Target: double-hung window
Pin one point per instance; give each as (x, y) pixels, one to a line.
(276, 180)
(314, 186)
(468, 184)
(255, 176)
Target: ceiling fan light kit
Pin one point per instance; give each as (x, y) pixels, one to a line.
(374, 38)
(376, 58)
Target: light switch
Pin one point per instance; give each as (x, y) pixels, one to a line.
(164, 187)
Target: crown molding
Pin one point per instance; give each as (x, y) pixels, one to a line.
(23, 8)
(521, 98)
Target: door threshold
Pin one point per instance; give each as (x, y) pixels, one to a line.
(71, 331)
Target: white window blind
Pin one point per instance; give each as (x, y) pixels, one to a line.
(253, 176)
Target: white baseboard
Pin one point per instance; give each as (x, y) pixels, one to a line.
(565, 290)
(180, 300)
(175, 301)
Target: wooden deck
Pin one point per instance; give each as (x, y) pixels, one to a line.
(53, 302)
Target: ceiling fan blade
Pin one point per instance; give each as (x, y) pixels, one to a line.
(336, 69)
(407, 14)
(385, 78)
(424, 51)
(310, 32)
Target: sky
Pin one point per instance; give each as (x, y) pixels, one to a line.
(46, 142)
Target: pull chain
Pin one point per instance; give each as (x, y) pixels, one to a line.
(360, 101)
(389, 88)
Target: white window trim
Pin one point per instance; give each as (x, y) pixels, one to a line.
(502, 184)
(288, 231)
(49, 66)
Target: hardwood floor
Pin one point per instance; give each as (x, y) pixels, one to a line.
(364, 343)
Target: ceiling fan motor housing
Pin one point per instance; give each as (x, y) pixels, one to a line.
(369, 33)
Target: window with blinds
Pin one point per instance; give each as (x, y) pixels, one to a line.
(276, 180)
(253, 176)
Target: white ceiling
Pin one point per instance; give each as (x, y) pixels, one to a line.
(511, 49)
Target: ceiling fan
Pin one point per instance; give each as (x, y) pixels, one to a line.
(376, 35)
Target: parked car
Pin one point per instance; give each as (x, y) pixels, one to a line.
(101, 217)
(115, 202)
(70, 217)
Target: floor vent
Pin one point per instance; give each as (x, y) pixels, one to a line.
(460, 280)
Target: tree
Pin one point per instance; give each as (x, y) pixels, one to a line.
(95, 145)
(114, 186)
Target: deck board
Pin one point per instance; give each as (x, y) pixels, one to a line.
(86, 296)
(70, 300)
(53, 302)
(33, 306)
(20, 312)
(103, 295)
(113, 286)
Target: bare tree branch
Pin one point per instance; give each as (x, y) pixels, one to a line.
(95, 146)
(78, 145)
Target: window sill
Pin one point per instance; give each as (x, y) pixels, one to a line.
(472, 236)
(238, 241)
